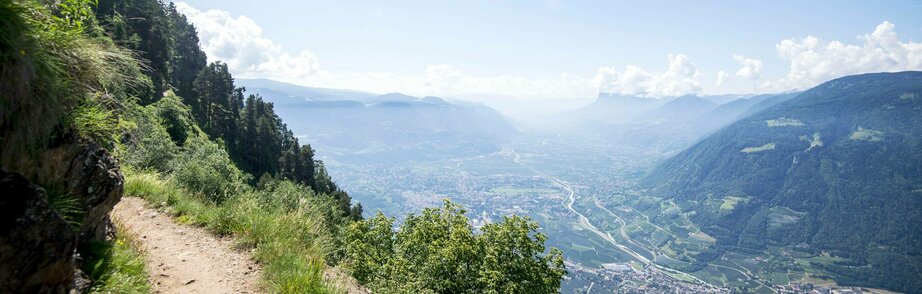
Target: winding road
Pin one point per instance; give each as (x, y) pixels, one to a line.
(568, 203)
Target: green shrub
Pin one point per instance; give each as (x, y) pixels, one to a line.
(437, 251)
(147, 144)
(176, 118)
(205, 169)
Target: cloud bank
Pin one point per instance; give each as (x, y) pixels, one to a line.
(239, 42)
(680, 78)
(813, 62)
(751, 68)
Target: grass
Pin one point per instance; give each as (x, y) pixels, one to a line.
(814, 142)
(765, 147)
(730, 202)
(863, 134)
(68, 206)
(783, 122)
(116, 267)
(291, 244)
(92, 120)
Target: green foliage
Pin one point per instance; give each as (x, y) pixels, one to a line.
(68, 207)
(188, 58)
(155, 134)
(514, 260)
(176, 118)
(143, 26)
(216, 104)
(205, 169)
(146, 144)
(55, 82)
(115, 267)
(73, 13)
(438, 252)
(93, 121)
(66, 77)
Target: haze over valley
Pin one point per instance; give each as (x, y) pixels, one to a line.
(159, 146)
(585, 176)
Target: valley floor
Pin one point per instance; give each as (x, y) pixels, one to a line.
(185, 259)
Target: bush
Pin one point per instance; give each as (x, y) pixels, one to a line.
(205, 169)
(176, 118)
(438, 252)
(147, 144)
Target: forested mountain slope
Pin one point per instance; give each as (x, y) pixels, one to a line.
(843, 158)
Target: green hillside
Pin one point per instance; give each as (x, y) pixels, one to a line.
(842, 159)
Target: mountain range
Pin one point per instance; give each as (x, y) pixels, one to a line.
(834, 171)
(363, 127)
(667, 124)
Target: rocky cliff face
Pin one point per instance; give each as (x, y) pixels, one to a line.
(90, 174)
(37, 243)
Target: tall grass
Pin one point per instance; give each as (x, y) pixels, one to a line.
(290, 241)
(48, 70)
(117, 266)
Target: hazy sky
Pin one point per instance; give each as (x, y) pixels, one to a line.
(559, 49)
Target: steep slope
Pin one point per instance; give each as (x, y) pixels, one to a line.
(58, 176)
(738, 109)
(768, 102)
(836, 169)
(364, 128)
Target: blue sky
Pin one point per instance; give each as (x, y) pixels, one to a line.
(558, 49)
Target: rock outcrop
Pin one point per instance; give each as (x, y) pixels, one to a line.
(38, 245)
(90, 174)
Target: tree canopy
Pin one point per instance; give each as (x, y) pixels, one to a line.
(438, 251)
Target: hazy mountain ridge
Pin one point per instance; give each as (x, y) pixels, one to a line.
(666, 125)
(732, 111)
(843, 157)
(355, 125)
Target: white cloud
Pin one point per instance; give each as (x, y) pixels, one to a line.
(681, 77)
(750, 68)
(239, 43)
(722, 77)
(812, 62)
(441, 77)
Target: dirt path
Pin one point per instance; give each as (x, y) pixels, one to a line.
(185, 259)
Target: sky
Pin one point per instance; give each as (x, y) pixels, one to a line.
(554, 50)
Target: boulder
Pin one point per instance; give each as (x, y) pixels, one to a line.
(90, 174)
(36, 244)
